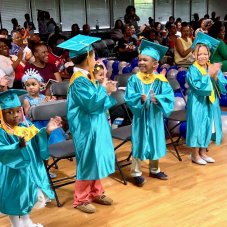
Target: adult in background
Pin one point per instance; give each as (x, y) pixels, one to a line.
(182, 49)
(217, 31)
(117, 31)
(126, 48)
(41, 64)
(131, 18)
(75, 30)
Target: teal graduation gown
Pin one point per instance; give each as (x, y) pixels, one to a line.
(87, 104)
(148, 135)
(22, 172)
(201, 113)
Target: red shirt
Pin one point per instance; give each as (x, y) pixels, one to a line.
(47, 72)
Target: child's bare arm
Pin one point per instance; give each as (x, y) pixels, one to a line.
(26, 107)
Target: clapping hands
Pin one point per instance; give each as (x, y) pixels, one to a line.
(213, 70)
(53, 124)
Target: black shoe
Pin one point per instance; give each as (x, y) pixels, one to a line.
(160, 176)
(139, 181)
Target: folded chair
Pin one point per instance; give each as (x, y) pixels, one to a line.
(178, 116)
(122, 133)
(59, 151)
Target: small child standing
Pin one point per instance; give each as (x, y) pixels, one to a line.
(149, 96)
(206, 82)
(87, 103)
(24, 182)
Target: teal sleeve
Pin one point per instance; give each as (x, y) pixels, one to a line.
(43, 144)
(91, 99)
(165, 100)
(133, 98)
(11, 154)
(221, 83)
(200, 85)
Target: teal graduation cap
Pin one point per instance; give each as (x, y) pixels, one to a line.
(78, 45)
(207, 40)
(153, 50)
(9, 99)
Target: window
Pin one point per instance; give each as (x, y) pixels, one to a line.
(163, 10)
(50, 6)
(98, 12)
(182, 9)
(10, 9)
(119, 7)
(144, 9)
(200, 7)
(72, 12)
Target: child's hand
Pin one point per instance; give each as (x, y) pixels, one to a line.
(163, 72)
(143, 98)
(22, 142)
(213, 70)
(53, 124)
(111, 86)
(153, 99)
(4, 81)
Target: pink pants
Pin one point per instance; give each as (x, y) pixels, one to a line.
(86, 191)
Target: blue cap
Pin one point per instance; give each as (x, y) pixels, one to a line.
(210, 42)
(78, 45)
(9, 99)
(152, 50)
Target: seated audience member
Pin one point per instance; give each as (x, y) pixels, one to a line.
(10, 64)
(178, 26)
(56, 55)
(86, 29)
(204, 26)
(75, 30)
(17, 44)
(127, 46)
(45, 69)
(217, 31)
(182, 49)
(117, 32)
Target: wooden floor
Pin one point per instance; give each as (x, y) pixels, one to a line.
(194, 196)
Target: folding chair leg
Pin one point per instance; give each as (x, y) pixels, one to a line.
(172, 142)
(129, 157)
(52, 186)
(121, 172)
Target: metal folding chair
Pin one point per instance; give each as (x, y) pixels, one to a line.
(59, 151)
(122, 133)
(178, 116)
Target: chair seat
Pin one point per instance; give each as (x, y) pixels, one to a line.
(178, 115)
(122, 133)
(62, 150)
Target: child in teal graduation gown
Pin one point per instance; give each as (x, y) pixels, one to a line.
(149, 96)
(206, 82)
(87, 106)
(24, 181)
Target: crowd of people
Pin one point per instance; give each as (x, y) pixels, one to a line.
(29, 63)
